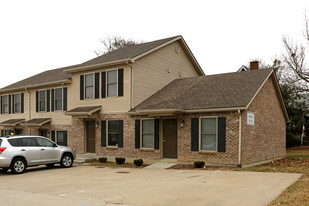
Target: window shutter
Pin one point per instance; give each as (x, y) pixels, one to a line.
(221, 134)
(103, 90)
(22, 102)
(13, 107)
(65, 99)
(10, 104)
(194, 134)
(120, 133)
(120, 82)
(53, 135)
(156, 140)
(65, 138)
(137, 133)
(1, 109)
(97, 85)
(103, 133)
(37, 101)
(48, 100)
(52, 100)
(2, 133)
(81, 87)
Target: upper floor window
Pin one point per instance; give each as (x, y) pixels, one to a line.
(89, 86)
(111, 83)
(17, 103)
(5, 104)
(42, 100)
(58, 99)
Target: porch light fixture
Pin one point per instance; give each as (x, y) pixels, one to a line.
(182, 123)
(97, 124)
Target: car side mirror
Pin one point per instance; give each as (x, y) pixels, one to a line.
(54, 145)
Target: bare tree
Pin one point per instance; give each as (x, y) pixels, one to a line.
(295, 60)
(111, 43)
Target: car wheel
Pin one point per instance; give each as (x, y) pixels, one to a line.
(18, 166)
(50, 165)
(4, 170)
(66, 160)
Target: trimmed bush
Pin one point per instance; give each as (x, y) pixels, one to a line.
(102, 159)
(291, 140)
(120, 160)
(138, 162)
(199, 164)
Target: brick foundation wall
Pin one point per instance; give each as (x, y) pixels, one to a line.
(266, 139)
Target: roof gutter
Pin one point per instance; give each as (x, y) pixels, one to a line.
(36, 86)
(173, 111)
(94, 66)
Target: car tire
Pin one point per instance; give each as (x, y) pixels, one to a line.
(18, 166)
(66, 160)
(4, 170)
(50, 165)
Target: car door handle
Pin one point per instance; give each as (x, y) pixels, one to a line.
(42, 149)
(23, 150)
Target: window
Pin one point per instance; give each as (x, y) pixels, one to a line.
(89, 86)
(62, 138)
(147, 133)
(28, 142)
(44, 142)
(58, 99)
(17, 103)
(208, 134)
(112, 133)
(5, 104)
(42, 100)
(112, 83)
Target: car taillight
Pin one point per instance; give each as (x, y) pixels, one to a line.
(2, 149)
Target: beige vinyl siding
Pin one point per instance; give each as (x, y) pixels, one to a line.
(159, 68)
(108, 104)
(58, 117)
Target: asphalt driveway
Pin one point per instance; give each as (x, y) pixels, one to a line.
(91, 186)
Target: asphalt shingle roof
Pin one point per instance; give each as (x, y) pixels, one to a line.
(207, 92)
(59, 75)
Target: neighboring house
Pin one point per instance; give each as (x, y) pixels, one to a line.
(151, 100)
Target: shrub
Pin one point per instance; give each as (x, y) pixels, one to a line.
(138, 162)
(199, 164)
(120, 160)
(291, 140)
(102, 159)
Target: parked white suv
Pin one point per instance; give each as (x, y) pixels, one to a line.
(19, 152)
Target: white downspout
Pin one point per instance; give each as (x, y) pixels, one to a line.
(29, 106)
(239, 141)
(131, 83)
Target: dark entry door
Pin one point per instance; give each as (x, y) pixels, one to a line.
(170, 138)
(90, 131)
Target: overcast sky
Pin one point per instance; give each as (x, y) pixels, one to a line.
(223, 35)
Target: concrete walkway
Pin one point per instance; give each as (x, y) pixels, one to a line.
(160, 165)
(91, 186)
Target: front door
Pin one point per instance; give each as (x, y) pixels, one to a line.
(90, 132)
(170, 138)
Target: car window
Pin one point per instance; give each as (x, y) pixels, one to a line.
(28, 142)
(14, 142)
(44, 142)
(0, 141)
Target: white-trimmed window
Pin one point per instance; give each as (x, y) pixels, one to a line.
(5, 104)
(42, 100)
(89, 86)
(58, 95)
(111, 83)
(147, 133)
(17, 103)
(61, 137)
(208, 133)
(112, 137)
